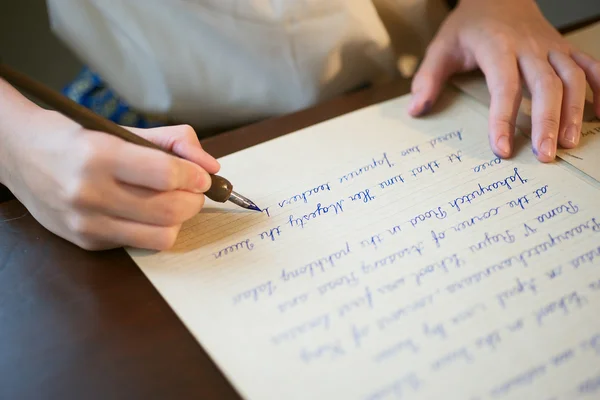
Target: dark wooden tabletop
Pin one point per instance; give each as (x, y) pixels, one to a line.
(89, 325)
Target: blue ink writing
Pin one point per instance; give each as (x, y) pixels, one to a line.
(490, 340)
(320, 323)
(410, 150)
(397, 389)
(520, 202)
(393, 317)
(587, 257)
(319, 265)
(490, 240)
(271, 233)
(554, 272)
(519, 288)
(492, 212)
(255, 293)
(331, 351)
(443, 265)
(564, 305)
(365, 300)
(364, 195)
(491, 163)
(438, 213)
(525, 378)
(431, 166)
(455, 156)
(483, 190)
(366, 168)
(397, 348)
(304, 195)
(446, 137)
(391, 181)
(540, 191)
(568, 207)
(358, 334)
(292, 303)
(345, 280)
(320, 210)
(529, 230)
(453, 357)
(374, 241)
(393, 258)
(244, 244)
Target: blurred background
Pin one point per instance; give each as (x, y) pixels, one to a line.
(27, 43)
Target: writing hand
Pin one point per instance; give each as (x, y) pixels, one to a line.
(101, 192)
(511, 42)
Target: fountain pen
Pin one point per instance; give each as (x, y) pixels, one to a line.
(220, 190)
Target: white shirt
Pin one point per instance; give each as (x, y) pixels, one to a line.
(221, 63)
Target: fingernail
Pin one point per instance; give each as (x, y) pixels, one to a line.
(426, 107)
(547, 148)
(572, 135)
(417, 107)
(503, 145)
(203, 181)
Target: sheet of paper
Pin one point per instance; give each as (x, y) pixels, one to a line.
(396, 259)
(585, 156)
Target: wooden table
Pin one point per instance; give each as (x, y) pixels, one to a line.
(76, 324)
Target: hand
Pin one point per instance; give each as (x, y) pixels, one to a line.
(510, 40)
(101, 192)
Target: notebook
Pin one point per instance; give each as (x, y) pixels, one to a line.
(395, 258)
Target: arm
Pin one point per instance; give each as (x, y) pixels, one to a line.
(94, 189)
(14, 107)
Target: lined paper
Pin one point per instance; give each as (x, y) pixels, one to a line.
(396, 258)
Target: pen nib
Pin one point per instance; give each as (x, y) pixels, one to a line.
(243, 202)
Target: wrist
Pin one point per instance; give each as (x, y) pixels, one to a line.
(17, 113)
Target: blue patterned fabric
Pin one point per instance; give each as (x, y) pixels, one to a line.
(90, 91)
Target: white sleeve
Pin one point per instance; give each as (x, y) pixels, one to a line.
(106, 36)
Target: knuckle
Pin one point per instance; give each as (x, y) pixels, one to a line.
(550, 122)
(595, 69)
(506, 89)
(170, 213)
(502, 42)
(81, 226)
(574, 74)
(166, 174)
(547, 81)
(78, 193)
(166, 238)
(574, 110)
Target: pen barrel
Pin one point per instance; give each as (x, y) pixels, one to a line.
(220, 190)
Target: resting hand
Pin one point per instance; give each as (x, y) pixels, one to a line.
(101, 192)
(512, 43)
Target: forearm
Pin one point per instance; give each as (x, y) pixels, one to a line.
(16, 113)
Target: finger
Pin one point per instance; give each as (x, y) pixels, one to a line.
(546, 98)
(154, 169)
(99, 232)
(439, 63)
(504, 84)
(574, 85)
(152, 207)
(591, 67)
(183, 141)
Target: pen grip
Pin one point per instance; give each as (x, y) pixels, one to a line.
(220, 188)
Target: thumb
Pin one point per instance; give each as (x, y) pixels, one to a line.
(440, 62)
(183, 141)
